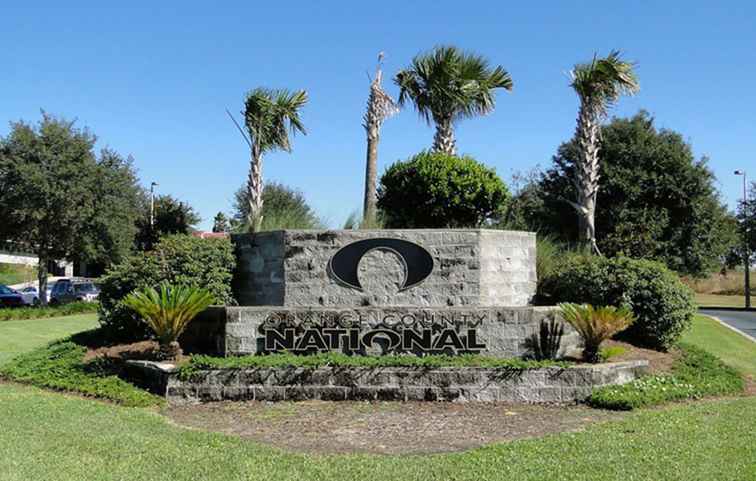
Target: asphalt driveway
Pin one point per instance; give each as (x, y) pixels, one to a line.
(744, 321)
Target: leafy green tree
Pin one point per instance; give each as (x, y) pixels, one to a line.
(283, 208)
(62, 201)
(656, 200)
(447, 85)
(598, 84)
(172, 216)
(269, 116)
(220, 223)
(440, 190)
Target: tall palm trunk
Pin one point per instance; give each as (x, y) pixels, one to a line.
(255, 191)
(380, 106)
(587, 172)
(443, 140)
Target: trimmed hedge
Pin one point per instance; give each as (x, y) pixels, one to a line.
(179, 259)
(433, 189)
(24, 313)
(662, 304)
(695, 375)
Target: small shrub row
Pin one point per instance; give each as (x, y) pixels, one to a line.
(23, 313)
(336, 359)
(695, 375)
(60, 366)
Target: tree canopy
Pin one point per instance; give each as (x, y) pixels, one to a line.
(656, 200)
(172, 216)
(284, 208)
(60, 199)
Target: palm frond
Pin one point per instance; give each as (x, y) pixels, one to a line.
(270, 115)
(603, 81)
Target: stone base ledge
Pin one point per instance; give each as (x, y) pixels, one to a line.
(460, 384)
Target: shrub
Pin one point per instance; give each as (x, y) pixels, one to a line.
(60, 366)
(596, 324)
(438, 190)
(663, 306)
(179, 259)
(695, 375)
(168, 312)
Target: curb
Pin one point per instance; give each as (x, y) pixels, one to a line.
(720, 321)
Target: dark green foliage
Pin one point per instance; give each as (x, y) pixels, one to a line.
(283, 208)
(546, 344)
(72, 308)
(60, 200)
(172, 216)
(655, 201)
(178, 259)
(60, 366)
(695, 375)
(662, 304)
(220, 223)
(440, 190)
(338, 359)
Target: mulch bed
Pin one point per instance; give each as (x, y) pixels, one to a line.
(384, 427)
(658, 362)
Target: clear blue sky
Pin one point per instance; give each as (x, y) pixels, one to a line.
(152, 79)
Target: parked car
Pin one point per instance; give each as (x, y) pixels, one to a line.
(9, 297)
(30, 295)
(66, 290)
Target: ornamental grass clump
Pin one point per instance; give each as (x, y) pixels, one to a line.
(168, 311)
(596, 324)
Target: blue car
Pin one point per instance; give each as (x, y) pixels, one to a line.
(9, 297)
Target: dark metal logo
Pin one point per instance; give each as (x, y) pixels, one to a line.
(418, 263)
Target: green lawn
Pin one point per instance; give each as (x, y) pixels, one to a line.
(729, 346)
(51, 436)
(16, 273)
(21, 336)
(48, 435)
(717, 300)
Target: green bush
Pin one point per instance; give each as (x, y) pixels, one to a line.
(60, 366)
(178, 259)
(22, 313)
(695, 375)
(662, 304)
(438, 190)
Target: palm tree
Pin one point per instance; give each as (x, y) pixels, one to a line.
(599, 84)
(446, 85)
(269, 116)
(380, 106)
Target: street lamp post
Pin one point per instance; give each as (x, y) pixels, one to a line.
(746, 239)
(152, 204)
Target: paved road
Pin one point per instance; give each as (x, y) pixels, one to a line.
(740, 320)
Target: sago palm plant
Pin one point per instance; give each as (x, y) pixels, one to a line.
(168, 310)
(269, 116)
(598, 84)
(447, 85)
(596, 324)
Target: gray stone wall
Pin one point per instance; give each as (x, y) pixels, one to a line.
(472, 267)
(552, 384)
(504, 331)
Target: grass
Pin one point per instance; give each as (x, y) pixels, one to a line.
(48, 436)
(17, 337)
(695, 375)
(16, 273)
(22, 313)
(339, 359)
(734, 349)
(719, 300)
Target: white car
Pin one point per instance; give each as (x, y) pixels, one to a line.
(29, 295)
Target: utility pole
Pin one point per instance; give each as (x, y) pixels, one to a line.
(746, 239)
(152, 204)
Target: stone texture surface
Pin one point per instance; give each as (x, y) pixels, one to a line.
(472, 267)
(505, 331)
(552, 384)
